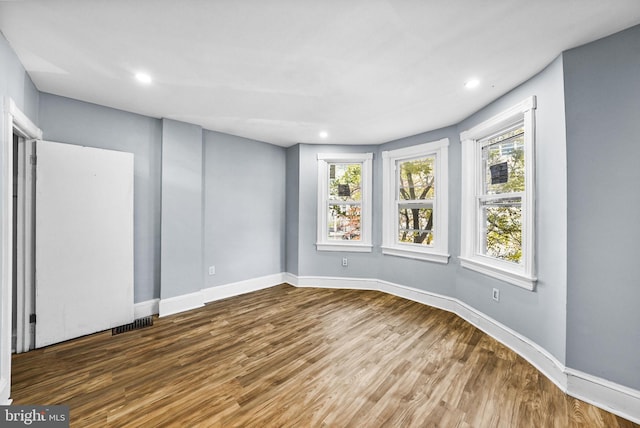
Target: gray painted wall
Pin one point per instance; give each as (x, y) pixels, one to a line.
(244, 208)
(539, 315)
(327, 263)
(292, 209)
(181, 217)
(16, 83)
(602, 88)
(584, 311)
(423, 275)
(76, 122)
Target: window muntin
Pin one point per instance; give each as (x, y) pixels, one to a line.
(415, 197)
(344, 202)
(500, 199)
(497, 233)
(415, 202)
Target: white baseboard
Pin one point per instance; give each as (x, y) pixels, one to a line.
(185, 302)
(536, 355)
(613, 397)
(5, 400)
(333, 282)
(220, 292)
(146, 308)
(529, 350)
(610, 396)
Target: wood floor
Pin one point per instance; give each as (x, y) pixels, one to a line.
(296, 357)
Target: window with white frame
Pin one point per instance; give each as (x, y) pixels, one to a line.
(415, 202)
(498, 166)
(344, 202)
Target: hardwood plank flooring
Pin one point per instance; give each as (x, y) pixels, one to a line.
(299, 357)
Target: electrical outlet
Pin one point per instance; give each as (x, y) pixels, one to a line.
(212, 270)
(496, 295)
(345, 262)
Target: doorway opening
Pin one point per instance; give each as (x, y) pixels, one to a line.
(23, 236)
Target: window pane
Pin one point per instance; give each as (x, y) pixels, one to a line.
(502, 229)
(415, 225)
(344, 222)
(416, 179)
(345, 181)
(503, 163)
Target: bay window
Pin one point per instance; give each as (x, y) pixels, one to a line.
(497, 196)
(344, 202)
(415, 202)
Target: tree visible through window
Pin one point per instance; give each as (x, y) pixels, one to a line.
(345, 201)
(501, 201)
(498, 187)
(415, 202)
(416, 192)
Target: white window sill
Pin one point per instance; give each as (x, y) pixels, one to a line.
(349, 246)
(442, 258)
(510, 276)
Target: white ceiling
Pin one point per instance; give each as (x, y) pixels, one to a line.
(281, 71)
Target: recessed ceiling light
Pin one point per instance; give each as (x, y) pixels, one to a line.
(323, 134)
(470, 84)
(143, 78)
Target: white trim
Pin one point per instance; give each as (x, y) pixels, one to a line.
(7, 253)
(417, 150)
(439, 252)
(12, 119)
(146, 308)
(610, 396)
(521, 275)
(503, 274)
(366, 206)
(182, 303)
(4, 401)
(187, 302)
(532, 352)
(25, 245)
(615, 398)
(499, 121)
(339, 246)
(417, 254)
(290, 278)
(220, 292)
(332, 282)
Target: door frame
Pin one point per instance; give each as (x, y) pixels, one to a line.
(13, 121)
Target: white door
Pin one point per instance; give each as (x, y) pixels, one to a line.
(84, 241)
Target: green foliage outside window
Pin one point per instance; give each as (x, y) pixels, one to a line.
(502, 217)
(345, 184)
(416, 184)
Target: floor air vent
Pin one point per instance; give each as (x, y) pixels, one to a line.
(136, 324)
